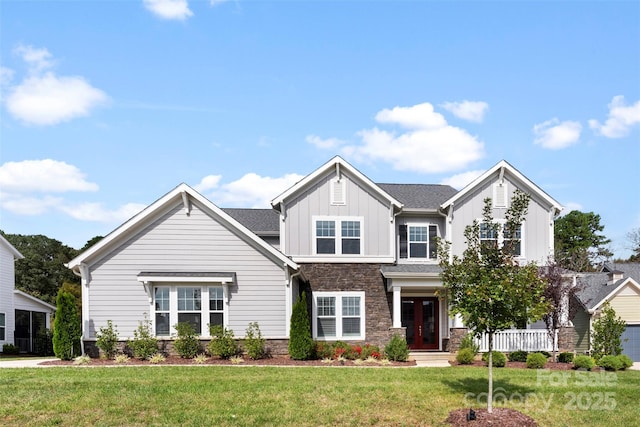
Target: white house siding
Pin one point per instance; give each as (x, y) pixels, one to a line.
(536, 227)
(7, 283)
(179, 242)
(316, 201)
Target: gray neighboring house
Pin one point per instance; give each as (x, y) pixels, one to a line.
(618, 284)
(365, 253)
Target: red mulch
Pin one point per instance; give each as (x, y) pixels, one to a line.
(500, 417)
(271, 361)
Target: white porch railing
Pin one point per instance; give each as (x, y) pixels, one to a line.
(519, 339)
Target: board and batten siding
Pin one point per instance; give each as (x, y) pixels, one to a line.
(178, 242)
(536, 228)
(7, 283)
(316, 201)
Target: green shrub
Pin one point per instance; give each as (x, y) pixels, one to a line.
(465, 356)
(187, 345)
(43, 343)
(610, 363)
(566, 357)
(518, 356)
(253, 342)
(107, 340)
(397, 349)
(222, 344)
(536, 361)
(468, 342)
(583, 362)
(144, 344)
(66, 329)
(545, 353)
(499, 359)
(300, 341)
(369, 350)
(627, 362)
(10, 349)
(342, 349)
(322, 350)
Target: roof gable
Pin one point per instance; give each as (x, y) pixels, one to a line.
(185, 193)
(10, 248)
(499, 169)
(339, 165)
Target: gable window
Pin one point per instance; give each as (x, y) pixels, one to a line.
(338, 236)
(418, 241)
(188, 304)
(2, 327)
(338, 315)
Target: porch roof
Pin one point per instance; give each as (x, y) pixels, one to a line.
(410, 270)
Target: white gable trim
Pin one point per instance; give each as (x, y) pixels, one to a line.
(181, 191)
(34, 299)
(4, 242)
(500, 167)
(340, 165)
(627, 281)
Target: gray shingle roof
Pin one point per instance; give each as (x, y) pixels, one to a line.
(420, 196)
(594, 285)
(259, 221)
(411, 268)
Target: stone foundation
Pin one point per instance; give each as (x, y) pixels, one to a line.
(566, 335)
(455, 338)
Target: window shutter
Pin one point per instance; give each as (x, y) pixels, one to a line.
(402, 231)
(338, 192)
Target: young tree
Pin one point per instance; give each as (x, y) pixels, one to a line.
(486, 286)
(578, 244)
(300, 340)
(66, 327)
(607, 333)
(560, 293)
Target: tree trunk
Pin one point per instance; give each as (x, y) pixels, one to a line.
(490, 393)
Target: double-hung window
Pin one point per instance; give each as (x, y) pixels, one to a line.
(418, 241)
(338, 236)
(496, 235)
(338, 315)
(190, 307)
(216, 306)
(3, 326)
(163, 321)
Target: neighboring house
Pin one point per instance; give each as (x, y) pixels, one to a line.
(364, 252)
(22, 316)
(618, 284)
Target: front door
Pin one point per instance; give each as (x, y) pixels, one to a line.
(420, 317)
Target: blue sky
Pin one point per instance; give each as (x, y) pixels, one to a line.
(108, 105)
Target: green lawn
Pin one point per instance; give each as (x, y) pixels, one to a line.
(272, 396)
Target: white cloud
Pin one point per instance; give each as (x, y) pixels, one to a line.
(472, 111)
(48, 99)
(169, 9)
(43, 176)
(28, 205)
(37, 59)
(571, 206)
(461, 180)
(96, 212)
(253, 190)
(325, 144)
(556, 135)
(6, 75)
(621, 119)
(207, 183)
(430, 145)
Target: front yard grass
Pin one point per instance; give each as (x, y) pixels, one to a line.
(305, 396)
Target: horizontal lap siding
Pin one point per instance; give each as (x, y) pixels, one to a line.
(177, 242)
(7, 280)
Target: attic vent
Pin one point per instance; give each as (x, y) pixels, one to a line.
(338, 193)
(500, 195)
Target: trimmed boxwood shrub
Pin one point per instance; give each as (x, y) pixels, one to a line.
(610, 363)
(583, 362)
(518, 356)
(187, 345)
(536, 361)
(397, 349)
(565, 357)
(499, 359)
(627, 362)
(465, 356)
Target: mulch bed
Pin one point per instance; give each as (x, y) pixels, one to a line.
(500, 417)
(271, 361)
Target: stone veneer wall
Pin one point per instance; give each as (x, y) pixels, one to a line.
(565, 339)
(357, 277)
(455, 337)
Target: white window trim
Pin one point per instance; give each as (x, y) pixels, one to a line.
(338, 237)
(338, 296)
(204, 306)
(409, 258)
(501, 239)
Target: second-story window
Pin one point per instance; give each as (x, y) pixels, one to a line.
(418, 241)
(338, 236)
(491, 236)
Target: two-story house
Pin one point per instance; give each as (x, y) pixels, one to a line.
(365, 253)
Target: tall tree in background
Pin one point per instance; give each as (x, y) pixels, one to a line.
(42, 272)
(487, 286)
(634, 238)
(579, 244)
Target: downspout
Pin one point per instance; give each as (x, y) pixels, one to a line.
(82, 271)
(289, 301)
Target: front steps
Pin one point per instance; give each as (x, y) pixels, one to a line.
(434, 359)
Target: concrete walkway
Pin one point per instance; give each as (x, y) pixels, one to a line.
(636, 366)
(26, 363)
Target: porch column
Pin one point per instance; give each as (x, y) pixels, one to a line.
(397, 307)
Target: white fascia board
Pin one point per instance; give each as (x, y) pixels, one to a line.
(4, 242)
(186, 279)
(344, 260)
(627, 281)
(513, 171)
(410, 275)
(34, 299)
(337, 161)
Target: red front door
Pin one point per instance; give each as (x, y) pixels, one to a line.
(420, 317)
